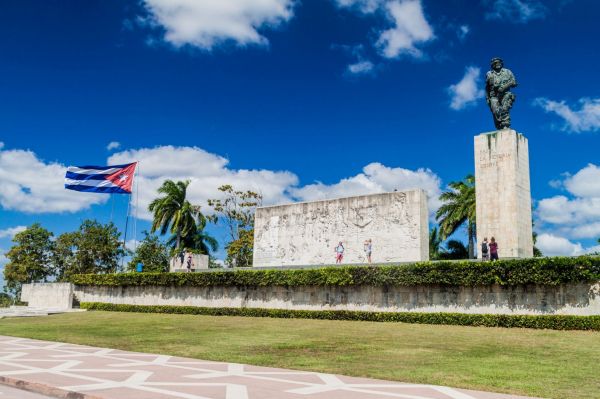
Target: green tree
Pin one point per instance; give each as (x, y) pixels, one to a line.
(199, 241)
(435, 244)
(236, 211)
(458, 209)
(173, 212)
(152, 253)
(455, 250)
(5, 300)
(30, 259)
(94, 248)
(536, 251)
(239, 252)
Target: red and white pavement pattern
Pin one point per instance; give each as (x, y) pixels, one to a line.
(116, 374)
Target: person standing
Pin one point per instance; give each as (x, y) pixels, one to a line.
(181, 256)
(368, 247)
(485, 250)
(190, 262)
(493, 249)
(339, 253)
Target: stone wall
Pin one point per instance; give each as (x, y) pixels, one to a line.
(306, 233)
(570, 299)
(199, 262)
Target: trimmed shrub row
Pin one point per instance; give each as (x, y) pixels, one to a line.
(544, 271)
(554, 322)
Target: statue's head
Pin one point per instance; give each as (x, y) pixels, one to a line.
(497, 63)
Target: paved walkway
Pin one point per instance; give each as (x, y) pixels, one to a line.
(26, 311)
(7, 392)
(58, 368)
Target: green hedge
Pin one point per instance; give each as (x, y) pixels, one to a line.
(544, 271)
(554, 322)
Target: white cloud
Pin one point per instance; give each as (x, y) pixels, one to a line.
(576, 214)
(113, 145)
(585, 183)
(11, 231)
(467, 91)
(205, 170)
(132, 244)
(365, 6)
(1, 145)
(463, 31)
(553, 245)
(585, 119)
(410, 29)
(208, 171)
(33, 186)
(361, 67)
(586, 230)
(375, 178)
(208, 23)
(562, 210)
(516, 11)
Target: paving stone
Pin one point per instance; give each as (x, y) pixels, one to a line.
(115, 374)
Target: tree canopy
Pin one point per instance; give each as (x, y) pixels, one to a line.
(30, 259)
(458, 208)
(151, 253)
(173, 212)
(236, 211)
(93, 248)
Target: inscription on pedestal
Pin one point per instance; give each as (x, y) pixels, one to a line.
(503, 196)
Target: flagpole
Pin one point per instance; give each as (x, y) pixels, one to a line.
(125, 234)
(137, 201)
(112, 208)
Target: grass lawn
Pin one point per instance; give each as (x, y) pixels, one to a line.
(544, 363)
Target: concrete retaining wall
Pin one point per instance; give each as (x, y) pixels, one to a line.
(48, 295)
(570, 299)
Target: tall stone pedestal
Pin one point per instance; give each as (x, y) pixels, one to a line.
(503, 193)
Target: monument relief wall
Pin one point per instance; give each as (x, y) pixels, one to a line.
(307, 233)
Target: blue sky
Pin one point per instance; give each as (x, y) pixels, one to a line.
(298, 100)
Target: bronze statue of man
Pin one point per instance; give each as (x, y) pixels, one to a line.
(498, 83)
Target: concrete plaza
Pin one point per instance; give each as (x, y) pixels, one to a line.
(59, 369)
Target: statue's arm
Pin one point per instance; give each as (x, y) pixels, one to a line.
(488, 88)
(510, 82)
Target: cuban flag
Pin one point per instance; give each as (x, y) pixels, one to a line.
(115, 179)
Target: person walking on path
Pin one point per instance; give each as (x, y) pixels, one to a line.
(339, 253)
(368, 247)
(493, 249)
(485, 250)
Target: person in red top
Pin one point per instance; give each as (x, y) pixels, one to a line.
(493, 249)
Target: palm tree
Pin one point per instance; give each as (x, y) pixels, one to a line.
(455, 250)
(458, 209)
(173, 211)
(199, 239)
(435, 244)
